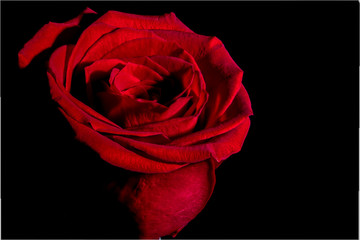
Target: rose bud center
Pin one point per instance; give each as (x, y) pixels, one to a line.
(135, 94)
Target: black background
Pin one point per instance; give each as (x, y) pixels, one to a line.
(297, 173)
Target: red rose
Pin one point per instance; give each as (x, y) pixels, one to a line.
(149, 95)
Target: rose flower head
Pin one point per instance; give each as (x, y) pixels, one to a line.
(150, 96)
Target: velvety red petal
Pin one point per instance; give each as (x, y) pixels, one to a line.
(176, 109)
(182, 70)
(218, 147)
(125, 20)
(142, 47)
(195, 44)
(86, 40)
(111, 40)
(46, 37)
(101, 69)
(146, 61)
(236, 114)
(172, 128)
(128, 111)
(164, 204)
(205, 134)
(166, 153)
(57, 62)
(241, 106)
(216, 65)
(133, 74)
(223, 146)
(77, 109)
(116, 154)
(192, 80)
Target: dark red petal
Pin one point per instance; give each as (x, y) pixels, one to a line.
(235, 116)
(57, 63)
(125, 20)
(128, 111)
(218, 147)
(46, 37)
(191, 79)
(182, 70)
(142, 47)
(241, 106)
(176, 109)
(133, 74)
(171, 128)
(77, 109)
(86, 40)
(223, 146)
(146, 61)
(111, 40)
(216, 65)
(116, 154)
(166, 153)
(195, 44)
(205, 134)
(164, 204)
(80, 110)
(101, 69)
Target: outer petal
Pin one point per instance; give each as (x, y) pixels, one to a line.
(86, 40)
(115, 154)
(223, 82)
(46, 37)
(225, 145)
(166, 22)
(219, 147)
(165, 203)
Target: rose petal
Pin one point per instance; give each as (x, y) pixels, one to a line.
(223, 146)
(165, 153)
(111, 40)
(46, 37)
(77, 109)
(219, 147)
(164, 204)
(167, 21)
(86, 40)
(235, 115)
(56, 65)
(215, 63)
(114, 153)
(133, 74)
(192, 79)
(241, 106)
(195, 44)
(129, 112)
(142, 47)
(182, 70)
(171, 128)
(219, 65)
(146, 61)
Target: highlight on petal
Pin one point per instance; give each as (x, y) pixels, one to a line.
(46, 37)
(163, 204)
